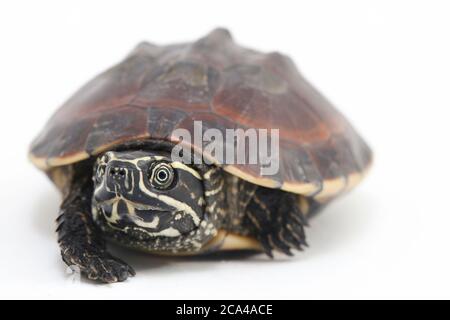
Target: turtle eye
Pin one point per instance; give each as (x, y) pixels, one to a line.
(162, 175)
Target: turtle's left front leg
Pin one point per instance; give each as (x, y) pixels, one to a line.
(80, 240)
(276, 220)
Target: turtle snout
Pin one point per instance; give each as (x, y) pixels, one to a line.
(117, 173)
(119, 178)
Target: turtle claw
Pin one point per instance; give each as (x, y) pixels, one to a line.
(277, 221)
(266, 246)
(281, 245)
(98, 265)
(108, 270)
(282, 241)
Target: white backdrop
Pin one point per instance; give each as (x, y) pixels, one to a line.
(385, 64)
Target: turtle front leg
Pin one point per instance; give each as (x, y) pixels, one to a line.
(276, 220)
(80, 240)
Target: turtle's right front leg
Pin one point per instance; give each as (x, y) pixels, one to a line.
(80, 240)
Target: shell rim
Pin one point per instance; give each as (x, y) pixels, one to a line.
(330, 187)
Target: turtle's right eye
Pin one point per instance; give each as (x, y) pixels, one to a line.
(162, 175)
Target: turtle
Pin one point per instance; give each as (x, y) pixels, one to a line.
(110, 151)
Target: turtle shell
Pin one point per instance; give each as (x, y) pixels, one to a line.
(158, 89)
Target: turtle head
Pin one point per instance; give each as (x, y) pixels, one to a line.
(144, 199)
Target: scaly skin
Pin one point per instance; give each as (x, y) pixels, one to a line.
(272, 216)
(81, 242)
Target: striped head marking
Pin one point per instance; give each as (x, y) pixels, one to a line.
(145, 195)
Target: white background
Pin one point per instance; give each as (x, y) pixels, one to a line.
(385, 64)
